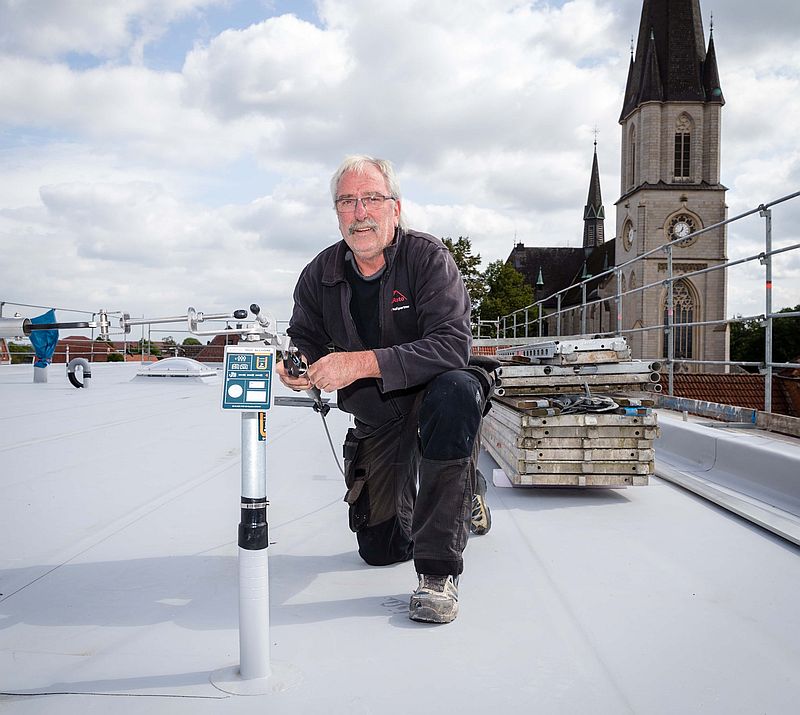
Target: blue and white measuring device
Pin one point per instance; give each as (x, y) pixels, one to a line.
(248, 377)
(247, 388)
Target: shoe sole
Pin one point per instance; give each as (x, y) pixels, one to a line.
(417, 611)
(481, 530)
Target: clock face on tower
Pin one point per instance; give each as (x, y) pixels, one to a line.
(680, 228)
(628, 236)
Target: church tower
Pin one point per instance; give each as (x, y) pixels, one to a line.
(593, 213)
(670, 182)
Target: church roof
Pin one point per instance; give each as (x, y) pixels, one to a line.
(558, 266)
(563, 267)
(597, 261)
(671, 62)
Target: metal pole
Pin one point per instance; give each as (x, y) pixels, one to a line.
(669, 330)
(515, 324)
(618, 300)
(539, 316)
(253, 542)
(767, 214)
(558, 315)
(526, 322)
(583, 308)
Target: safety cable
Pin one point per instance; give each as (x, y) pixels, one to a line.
(330, 442)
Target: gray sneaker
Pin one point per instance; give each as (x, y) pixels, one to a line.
(435, 600)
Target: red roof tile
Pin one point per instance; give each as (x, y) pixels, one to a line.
(738, 390)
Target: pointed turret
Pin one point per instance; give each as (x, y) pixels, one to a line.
(650, 86)
(593, 213)
(711, 83)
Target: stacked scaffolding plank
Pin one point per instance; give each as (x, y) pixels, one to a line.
(537, 445)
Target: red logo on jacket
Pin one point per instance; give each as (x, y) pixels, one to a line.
(397, 298)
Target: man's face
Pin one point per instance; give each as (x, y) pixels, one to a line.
(367, 231)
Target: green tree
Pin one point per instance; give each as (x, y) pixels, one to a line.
(21, 353)
(748, 339)
(191, 341)
(786, 337)
(506, 289)
(461, 250)
(747, 342)
(145, 347)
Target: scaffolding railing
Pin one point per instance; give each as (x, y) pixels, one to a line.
(528, 322)
(146, 346)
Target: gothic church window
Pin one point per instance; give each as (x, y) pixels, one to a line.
(683, 144)
(632, 158)
(683, 311)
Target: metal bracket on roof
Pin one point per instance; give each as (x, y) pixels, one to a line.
(262, 328)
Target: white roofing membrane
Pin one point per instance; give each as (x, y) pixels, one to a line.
(118, 574)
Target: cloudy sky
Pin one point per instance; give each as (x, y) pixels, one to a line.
(156, 154)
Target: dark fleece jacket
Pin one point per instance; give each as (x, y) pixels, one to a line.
(424, 323)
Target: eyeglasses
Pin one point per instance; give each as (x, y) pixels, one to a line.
(347, 204)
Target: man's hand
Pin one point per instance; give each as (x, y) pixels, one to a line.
(338, 370)
(295, 383)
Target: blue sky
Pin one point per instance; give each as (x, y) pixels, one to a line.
(161, 153)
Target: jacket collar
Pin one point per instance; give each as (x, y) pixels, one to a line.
(334, 266)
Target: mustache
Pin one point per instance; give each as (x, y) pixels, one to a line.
(366, 223)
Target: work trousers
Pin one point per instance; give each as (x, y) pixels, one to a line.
(438, 444)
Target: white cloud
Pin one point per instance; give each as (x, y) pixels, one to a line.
(283, 66)
(133, 246)
(487, 110)
(106, 30)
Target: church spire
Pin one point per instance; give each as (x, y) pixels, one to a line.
(671, 63)
(593, 213)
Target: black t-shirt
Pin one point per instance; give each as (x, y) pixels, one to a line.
(365, 303)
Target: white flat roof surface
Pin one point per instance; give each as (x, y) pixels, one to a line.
(118, 574)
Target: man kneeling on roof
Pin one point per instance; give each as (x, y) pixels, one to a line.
(384, 318)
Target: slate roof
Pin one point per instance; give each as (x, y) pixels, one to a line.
(558, 266)
(671, 63)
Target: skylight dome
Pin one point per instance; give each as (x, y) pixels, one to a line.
(177, 367)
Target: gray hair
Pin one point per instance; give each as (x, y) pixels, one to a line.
(358, 163)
